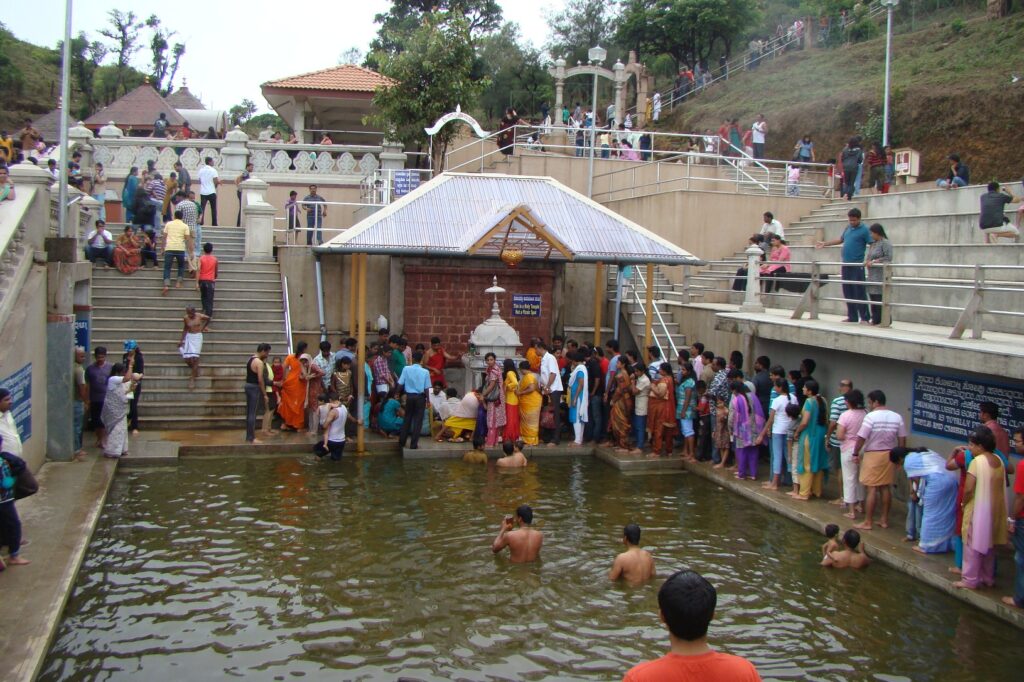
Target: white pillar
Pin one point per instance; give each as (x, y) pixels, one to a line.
(235, 153)
(752, 297)
(258, 221)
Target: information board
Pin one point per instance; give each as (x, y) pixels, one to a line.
(406, 181)
(947, 406)
(82, 333)
(20, 386)
(525, 305)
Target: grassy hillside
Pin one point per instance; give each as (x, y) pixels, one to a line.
(31, 86)
(951, 91)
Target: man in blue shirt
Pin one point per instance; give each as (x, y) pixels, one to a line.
(415, 381)
(854, 240)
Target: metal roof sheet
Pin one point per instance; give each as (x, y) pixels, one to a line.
(452, 212)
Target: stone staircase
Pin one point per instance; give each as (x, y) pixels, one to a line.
(248, 310)
(930, 231)
(668, 299)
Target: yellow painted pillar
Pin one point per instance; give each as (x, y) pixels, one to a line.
(599, 289)
(352, 294)
(649, 312)
(359, 262)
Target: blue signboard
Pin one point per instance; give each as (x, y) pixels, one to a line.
(82, 333)
(525, 305)
(20, 386)
(947, 406)
(406, 181)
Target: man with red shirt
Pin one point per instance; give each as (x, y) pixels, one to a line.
(207, 278)
(988, 415)
(687, 604)
(1017, 530)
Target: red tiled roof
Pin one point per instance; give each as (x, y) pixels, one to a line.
(347, 78)
(138, 109)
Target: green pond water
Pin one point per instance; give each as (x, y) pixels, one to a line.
(380, 569)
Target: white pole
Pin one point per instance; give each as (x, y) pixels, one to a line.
(888, 50)
(593, 139)
(65, 102)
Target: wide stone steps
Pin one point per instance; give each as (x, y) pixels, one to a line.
(196, 407)
(140, 314)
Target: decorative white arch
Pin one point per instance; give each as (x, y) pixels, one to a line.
(457, 115)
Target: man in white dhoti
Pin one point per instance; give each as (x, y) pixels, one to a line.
(191, 345)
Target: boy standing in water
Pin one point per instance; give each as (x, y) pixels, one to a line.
(851, 557)
(635, 564)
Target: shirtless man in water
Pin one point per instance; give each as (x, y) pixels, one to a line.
(851, 557)
(635, 564)
(524, 542)
(192, 341)
(514, 457)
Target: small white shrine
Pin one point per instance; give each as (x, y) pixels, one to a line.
(493, 335)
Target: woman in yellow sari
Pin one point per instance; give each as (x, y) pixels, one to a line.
(128, 252)
(511, 385)
(530, 400)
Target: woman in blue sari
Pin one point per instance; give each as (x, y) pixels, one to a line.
(131, 183)
(812, 458)
(937, 490)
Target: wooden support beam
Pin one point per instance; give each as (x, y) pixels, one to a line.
(649, 311)
(352, 294)
(599, 289)
(360, 264)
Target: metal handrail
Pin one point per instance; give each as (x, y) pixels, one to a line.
(657, 313)
(287, 313)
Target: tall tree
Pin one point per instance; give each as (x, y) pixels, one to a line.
(433, 73)
(86, 57)
(516, 72)
(123, 32)
(405, 16)
(352, 55)
(241, 112)
(165, 66)
(579, 27)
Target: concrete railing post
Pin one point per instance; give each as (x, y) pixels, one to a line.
(886, 295)
(752, 297)
(392, 156)
(258, 221)
(26, 176)
(80, 140)
(235, 153)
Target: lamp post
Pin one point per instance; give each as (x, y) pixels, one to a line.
(65, 102)
(596, 55)
(890, 5)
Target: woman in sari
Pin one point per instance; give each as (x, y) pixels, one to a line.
(292, 407)
(115, 409)
(511, 434)
(579, 398)
(131, 183)
(495, 409)
(661, 412)
(984, 525)
(811, 457)
(621, 414)
(128, 252)
(746, 420)
(530, 400)
(314, 388)
(937, 489)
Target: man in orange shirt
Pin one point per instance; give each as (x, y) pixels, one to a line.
(207, 278)
(687, 604)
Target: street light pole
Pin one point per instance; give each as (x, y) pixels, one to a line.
(65, 102)
(596, 55)
(890, 6)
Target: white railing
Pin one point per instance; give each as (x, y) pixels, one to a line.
(287, 313)
(314, 159)
(119, 154)
(638, 275)
(388, 184)
(974, 281)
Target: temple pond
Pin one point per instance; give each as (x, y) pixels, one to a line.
(271, 569)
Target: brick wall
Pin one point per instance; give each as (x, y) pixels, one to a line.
(450, 302)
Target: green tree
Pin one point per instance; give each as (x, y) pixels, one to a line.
(242, 112)
(517, 75)
(579, 27)
(257, 124)
(406, 16)
(123, 32)
(12, 80)
(85, 62)
(433, 73)
(164, 67)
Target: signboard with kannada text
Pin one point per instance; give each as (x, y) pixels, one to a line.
(20, 386)
(406, 181)
(525, 305)
(947, 406)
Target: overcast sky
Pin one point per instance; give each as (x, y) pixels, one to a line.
(232, 47)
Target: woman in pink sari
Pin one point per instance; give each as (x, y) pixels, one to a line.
(984, 526)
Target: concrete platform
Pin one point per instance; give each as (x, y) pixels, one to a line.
(883, 545)
(59, 522)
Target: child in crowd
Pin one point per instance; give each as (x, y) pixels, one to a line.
(792, 181)
(832, 543)
(278, 368)
(477, 454)
(851, 557)
(793, 412)
(722, 438)
(703, 422)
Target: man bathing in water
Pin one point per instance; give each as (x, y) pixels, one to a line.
(192, 341)
(524, 543)
(635, 564)
(514, 457)
(851, 557)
